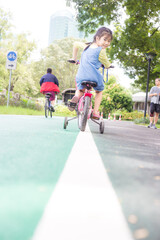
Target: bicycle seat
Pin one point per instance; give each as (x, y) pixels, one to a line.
(89, 84)
(48, 95)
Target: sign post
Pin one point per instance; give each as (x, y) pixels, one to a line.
(11, 65)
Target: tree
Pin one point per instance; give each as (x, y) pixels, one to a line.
(115, 97)
(5, 25)
(133, 37)
(21, 77)
(56, 56)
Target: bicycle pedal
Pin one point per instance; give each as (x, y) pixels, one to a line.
(52, 109)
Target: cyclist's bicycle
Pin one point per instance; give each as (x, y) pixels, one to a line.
(84, 108)
(47, 106)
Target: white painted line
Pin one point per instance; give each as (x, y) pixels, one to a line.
(84, 205)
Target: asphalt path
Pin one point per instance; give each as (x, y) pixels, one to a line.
(131, 156)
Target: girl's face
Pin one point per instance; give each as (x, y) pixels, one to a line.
(103, 41)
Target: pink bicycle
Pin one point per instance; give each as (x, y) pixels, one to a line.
(84, 108)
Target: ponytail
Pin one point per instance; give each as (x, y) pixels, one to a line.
(88, 45)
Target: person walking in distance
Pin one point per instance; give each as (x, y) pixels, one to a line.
(154, 94)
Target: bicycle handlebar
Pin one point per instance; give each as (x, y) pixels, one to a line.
(107, 68)
(77, 62)
(73, 61)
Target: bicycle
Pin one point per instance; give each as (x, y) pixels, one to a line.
(84, 108)
(47, 106)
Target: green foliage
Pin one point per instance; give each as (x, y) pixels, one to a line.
(142, 120)
(56, 56)
(135, 116)
(21, 80)
(5, 24)
(115, 97)
(23, 102)
(132, 115)
(19, 111)
(62, 110)
(134, 36)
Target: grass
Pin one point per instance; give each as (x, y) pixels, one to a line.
(19, 111)
(60, 111)
(146, 124)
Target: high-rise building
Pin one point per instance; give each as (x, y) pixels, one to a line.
(63, 24)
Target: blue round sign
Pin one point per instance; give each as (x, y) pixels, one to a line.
(11, 56)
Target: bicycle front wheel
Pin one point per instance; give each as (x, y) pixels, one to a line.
(83, 115)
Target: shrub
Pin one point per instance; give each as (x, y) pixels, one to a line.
(142, 120)
(132, 115)
(3, 101)
(63, 110)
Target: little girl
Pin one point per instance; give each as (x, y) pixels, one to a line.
(93, 56)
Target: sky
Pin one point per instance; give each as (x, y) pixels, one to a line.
(33, 16)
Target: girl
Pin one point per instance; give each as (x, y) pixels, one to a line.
(93, 56)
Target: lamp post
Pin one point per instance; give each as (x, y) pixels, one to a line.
(149, 57)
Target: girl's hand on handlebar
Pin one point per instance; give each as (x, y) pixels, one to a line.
(108, 67)
(73, 61)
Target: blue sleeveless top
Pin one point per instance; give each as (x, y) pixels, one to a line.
(89, 68)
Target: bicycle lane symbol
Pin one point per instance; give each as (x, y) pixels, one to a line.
(11, 56)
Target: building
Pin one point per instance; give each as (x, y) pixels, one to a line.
(139, 101)
(67, 94)
(63, 24)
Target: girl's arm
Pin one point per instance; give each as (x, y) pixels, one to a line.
(76, 47)
(103, 58)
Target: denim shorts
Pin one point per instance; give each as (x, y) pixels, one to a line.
(100, 86)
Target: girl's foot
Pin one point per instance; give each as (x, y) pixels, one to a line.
(96, 116)
(73, 103)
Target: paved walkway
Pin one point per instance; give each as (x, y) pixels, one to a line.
(66, 185)
(84, 205)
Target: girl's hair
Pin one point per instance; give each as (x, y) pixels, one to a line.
(100, 33)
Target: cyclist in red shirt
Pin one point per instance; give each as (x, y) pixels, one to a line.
(49, 84)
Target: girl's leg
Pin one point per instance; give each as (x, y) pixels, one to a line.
(74, 100)
(79, 93)
(98, 99)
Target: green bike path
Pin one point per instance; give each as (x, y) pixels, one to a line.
(33, 153)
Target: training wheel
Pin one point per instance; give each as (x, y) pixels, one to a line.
(65, 123)
(101, 127)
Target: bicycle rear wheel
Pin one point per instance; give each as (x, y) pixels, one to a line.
(83, 115)
(50, 113)
(46, 108)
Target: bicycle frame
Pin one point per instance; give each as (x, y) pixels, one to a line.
(84, 107)
(81, 103)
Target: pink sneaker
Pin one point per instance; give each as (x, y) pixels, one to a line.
(96, 116)
(73, 103)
